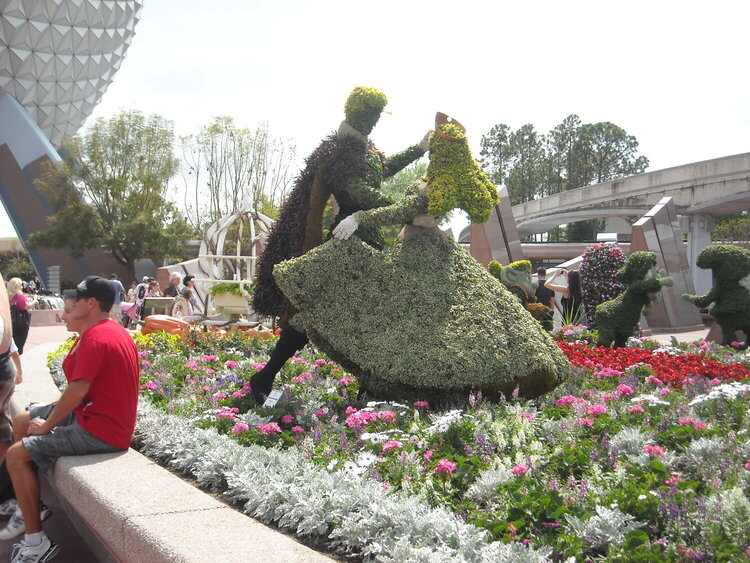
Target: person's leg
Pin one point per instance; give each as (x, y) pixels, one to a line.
(20, 334)
(23, 473)
(289, 342)
(21, 426)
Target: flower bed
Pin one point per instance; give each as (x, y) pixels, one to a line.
(642, 455)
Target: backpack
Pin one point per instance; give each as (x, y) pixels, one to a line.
(19, 317)
(141, 291)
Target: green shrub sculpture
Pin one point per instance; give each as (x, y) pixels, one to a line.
(422, 320)
(729, 300)
(618, 318)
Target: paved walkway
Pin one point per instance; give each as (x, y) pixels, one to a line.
(58, 527)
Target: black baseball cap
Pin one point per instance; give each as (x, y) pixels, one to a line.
(187, 279)
(95, 287)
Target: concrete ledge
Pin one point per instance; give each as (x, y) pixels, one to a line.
(134, 510)
(46, 317)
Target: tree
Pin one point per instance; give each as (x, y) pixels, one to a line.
(495, 153)
(733, 229)
(602, 152)
(225, 166)
(16, 264)
(110, 192)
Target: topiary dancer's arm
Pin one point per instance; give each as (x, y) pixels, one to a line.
(397, 162)
(396, 214)
(358, 194)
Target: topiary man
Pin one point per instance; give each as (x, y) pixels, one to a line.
(618, 318)
(728, 301)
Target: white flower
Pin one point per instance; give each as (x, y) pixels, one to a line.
(366, 459)
(650, 399)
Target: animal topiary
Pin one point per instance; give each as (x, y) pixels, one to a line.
(618, 318)
(516, 276)
(599, 283)
(728, 301)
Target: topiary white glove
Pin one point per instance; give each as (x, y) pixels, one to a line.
(346, 228)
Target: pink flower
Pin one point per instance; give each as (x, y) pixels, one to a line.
(585, 422)
(240, 427)
(346, 381)
(673, 480)
(655, 381)
(687, 421)
(623, 389)
(596, 410)
(428, 455)
(259, 366)
(287, 419)
(636, 408)
(391, 444)
(350, 410)
(320, 413)
(664, 391)
(389, 417)
(735, 344)
(231, 364)
(145, 363)
(747, 465)
(520, 470)
(269, 429)
(220, 395)
(653, 450)
(714, 382)
(238, 394)
(421, 404)
(527, 416)
(209, 358)
(320, 362)
(445, 467)
(362, 418)
(297, 430)
(567, 400)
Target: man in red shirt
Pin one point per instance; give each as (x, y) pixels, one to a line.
(95, 414)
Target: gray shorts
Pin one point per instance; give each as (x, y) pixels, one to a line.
(67, 438)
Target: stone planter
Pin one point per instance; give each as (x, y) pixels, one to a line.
(231, 304)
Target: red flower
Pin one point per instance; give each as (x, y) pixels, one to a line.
(672, 370)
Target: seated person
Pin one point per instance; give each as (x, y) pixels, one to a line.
(183, 306)
(95, 414)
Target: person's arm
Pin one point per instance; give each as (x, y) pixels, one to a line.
(73, 395)
(555, 287)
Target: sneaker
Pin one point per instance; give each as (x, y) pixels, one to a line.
(16, 525)
(8, 507)
(45, 551)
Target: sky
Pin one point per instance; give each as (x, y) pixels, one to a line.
(673, 74)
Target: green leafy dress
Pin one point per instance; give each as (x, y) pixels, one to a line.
(422, 320)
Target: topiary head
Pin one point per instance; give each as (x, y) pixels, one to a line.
(521, 265)
(363, 108)
(495, 268)
(731, 263)
(636, 267)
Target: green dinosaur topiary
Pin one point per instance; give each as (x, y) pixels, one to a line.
(618, 318)
(729, 300)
